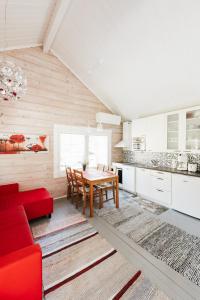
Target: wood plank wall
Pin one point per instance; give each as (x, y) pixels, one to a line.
(54, 96)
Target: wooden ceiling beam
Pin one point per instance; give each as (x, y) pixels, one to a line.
(60, 10)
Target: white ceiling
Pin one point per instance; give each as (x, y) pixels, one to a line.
(26, 22)
(140, 57)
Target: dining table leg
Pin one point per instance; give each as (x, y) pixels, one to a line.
(117, 192)
(91, 200)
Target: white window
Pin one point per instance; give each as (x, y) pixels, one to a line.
(73, 145)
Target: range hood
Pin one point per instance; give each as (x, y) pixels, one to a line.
(121, 144)
(127, 136)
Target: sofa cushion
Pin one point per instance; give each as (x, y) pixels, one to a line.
(14, 230)
(9, 188)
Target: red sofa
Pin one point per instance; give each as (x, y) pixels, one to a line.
(20, 258)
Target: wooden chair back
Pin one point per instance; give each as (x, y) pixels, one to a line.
(69, 176)
(106, 168)
(113, 169)
(100, 167)
(80, 182)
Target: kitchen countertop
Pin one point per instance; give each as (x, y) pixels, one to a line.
(162, 169)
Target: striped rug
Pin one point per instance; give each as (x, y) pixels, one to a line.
(80, 264)
(44, 228)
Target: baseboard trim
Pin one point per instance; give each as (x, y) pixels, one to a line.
(60, 197)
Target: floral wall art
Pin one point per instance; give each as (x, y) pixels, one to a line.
(20, 143)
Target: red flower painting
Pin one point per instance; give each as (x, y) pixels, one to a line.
(36, 148)
(19, 143)
(17, 138)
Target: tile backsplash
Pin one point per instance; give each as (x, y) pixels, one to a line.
(164, 158)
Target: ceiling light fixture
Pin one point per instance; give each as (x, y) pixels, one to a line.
(99, 127)
(12, 81)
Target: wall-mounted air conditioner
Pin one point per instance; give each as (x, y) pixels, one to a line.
(105, 118)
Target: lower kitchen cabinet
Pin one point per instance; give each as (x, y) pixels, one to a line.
(129, 178)
(154, 185)
(143, 182)
(161, 187)
(185, 194)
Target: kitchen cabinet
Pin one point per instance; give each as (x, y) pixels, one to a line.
(174, 131)
(154, 185)
(185, 194)
(143, 182)
(139, 127)
(153, 129)
(161, 187)
(173, 128)
(193, 130)
(128, 178)
(156, 137)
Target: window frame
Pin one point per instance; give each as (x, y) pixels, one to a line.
(82, 130)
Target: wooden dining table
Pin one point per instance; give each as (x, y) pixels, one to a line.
(94, 177)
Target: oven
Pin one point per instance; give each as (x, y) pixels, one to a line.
(120, 175)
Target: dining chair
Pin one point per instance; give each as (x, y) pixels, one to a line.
(71, 183)
(105, 168)
(84, 190)
(100, 167)
(108, 186)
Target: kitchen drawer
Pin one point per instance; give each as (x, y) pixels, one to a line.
(162, 175)
(161, 183)
(161, 196)
(161, 180)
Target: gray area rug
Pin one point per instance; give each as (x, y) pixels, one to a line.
(150, 206)
(175, 247)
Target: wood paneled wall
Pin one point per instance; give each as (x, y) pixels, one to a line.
(54, 96)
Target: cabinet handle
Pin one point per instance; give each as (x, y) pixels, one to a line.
(160, 190)
(160, 173)
(160, 178)
(185, 181)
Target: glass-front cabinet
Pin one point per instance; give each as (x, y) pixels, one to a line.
(183, 130)
(193, 130)
(173, 131)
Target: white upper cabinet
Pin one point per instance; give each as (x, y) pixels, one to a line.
(174, 131)
(139, 127)
(153, 129)
(193, 130)
(156, 137)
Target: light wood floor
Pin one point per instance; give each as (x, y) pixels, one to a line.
(173, 284)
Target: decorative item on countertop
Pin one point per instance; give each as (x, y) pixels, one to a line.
(192, 167)
(182, 162)
(13, 82)
(174, 163)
